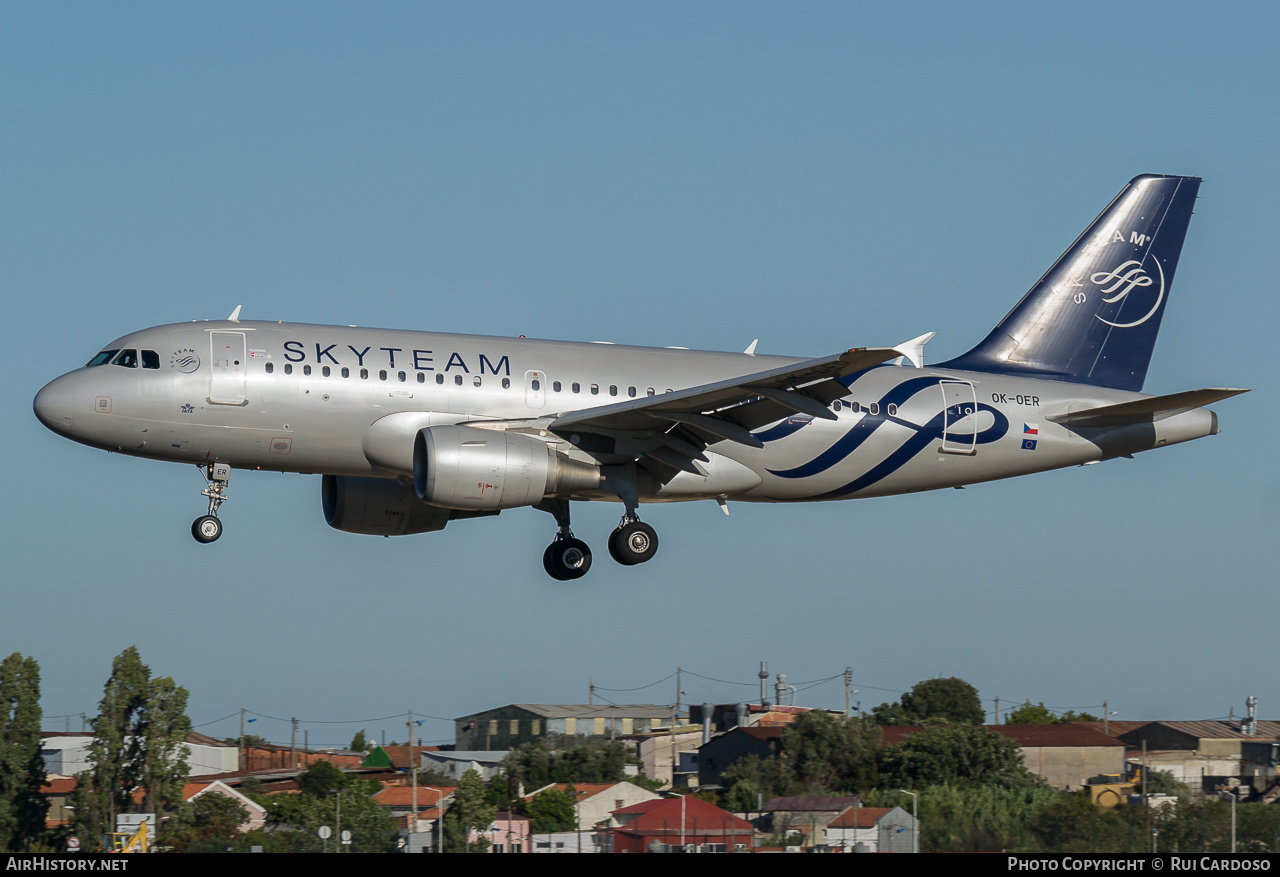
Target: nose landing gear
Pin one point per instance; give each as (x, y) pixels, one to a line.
(566, 558)
(207, 528)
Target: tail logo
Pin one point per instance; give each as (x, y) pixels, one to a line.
(1125, 279)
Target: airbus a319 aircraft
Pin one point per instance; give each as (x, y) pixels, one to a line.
(412, 430)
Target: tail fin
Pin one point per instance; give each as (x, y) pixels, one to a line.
(1094, 315)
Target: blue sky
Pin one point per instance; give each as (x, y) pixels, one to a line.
(815, 175)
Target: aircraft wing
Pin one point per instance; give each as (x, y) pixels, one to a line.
(1148, 410)
(670, 431)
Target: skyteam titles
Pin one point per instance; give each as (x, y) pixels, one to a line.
(414, 358)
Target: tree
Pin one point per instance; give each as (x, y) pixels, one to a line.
(212, 819)
(22, 805)
(552, 810)
(469, 810)
(830, 753)
(535, 765)
(139, 743)
(1031, 715)
(358, 742)
(322, 789)
(952, 754)
(951, 699)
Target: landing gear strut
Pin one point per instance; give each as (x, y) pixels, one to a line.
(207, 528)
(566, 558)
(633, 541)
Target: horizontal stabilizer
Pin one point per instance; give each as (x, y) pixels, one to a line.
(1147, 410)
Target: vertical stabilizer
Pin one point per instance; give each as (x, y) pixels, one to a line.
(1094, 315)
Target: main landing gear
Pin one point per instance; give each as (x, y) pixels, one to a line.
(207, 528)
(568, 558)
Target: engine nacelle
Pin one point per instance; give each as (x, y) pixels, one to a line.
(461, 467)
(378, 507)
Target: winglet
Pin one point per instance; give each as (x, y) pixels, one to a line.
(751, 348)
(914, 349)
(235, 315)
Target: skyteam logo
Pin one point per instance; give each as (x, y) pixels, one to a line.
(1128, 277)
(184, 360)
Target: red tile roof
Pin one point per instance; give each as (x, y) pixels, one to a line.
(860, 817)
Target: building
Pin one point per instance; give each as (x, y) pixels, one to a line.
(1207, 755)
(808, 815)
(720, 752)
(507, 833)
(1068, 755)
(558, 725)
(67, 754)
(595, 803)
(873, 830)
(688, 822)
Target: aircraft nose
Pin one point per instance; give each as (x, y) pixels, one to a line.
(55, 404)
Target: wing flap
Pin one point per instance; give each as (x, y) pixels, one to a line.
(708, 399)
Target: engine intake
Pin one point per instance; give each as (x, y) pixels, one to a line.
(461, 467)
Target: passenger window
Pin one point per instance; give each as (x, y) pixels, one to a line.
(595, 389)
(402, 376)
(306, 370)
(439, 379)
(126, 359)
(457, 380)
(631, 391)
(325, 371)
(150, 359)
(649, 392)
(102, 358)
(855, 407)
(346, 372)
(555, 386)
(893, 410)
(422, 377)
(506, 383)
(613, 389)
(382, 374)
(288, 368)
(577, 388)
(364, 374)
(874, 409)
(270, 368)
(536, 385)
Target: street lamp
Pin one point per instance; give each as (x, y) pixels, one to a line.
(915, 829)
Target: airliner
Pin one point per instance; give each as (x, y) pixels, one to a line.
(412, 430)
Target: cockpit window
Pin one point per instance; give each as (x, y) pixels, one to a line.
(127, 358)
(150, 359)
(102, 358)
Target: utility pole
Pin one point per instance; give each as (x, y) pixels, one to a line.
(293, 744)
(240, 756)
(848, 682)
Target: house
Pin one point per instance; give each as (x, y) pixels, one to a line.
(559, 725)
(257, 813)
(873, 830)
(507, 833)
(685, 821)
(810, 815)
(594, 803)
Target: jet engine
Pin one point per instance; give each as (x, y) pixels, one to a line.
(462, 467)
(380, 507)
